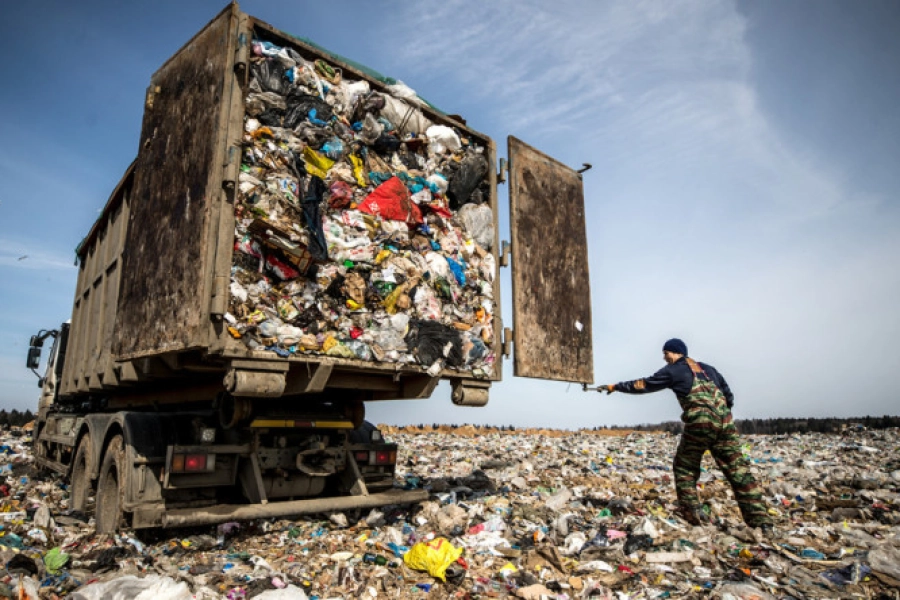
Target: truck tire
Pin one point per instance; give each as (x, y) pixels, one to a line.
(110, 514)
(80, 479)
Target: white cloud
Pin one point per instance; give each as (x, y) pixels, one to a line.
(662, 88)
(706, 220)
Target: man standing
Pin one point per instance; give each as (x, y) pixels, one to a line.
(706, 402)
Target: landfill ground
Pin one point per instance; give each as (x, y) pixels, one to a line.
(512, 514)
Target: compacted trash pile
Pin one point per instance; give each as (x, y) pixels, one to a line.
(363, 229)
(518, 514)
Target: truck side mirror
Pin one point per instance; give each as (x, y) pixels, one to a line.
(34, 357)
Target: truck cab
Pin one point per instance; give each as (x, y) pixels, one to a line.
(49, 382)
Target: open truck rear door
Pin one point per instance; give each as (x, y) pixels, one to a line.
(550, 276)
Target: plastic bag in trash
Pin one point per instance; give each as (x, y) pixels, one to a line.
(468, 177)
(741, 591)
(442, 139)
(391, 200)
(129, 587)
(55, 560)
(434, 557)
(291, 592)
(401, 90)
(340, 195)
(299, 106)
(885, 559)
(636, 542)
(431, 341)
(406, 118)
(26, 589)
(478, 220)
(311, 210)
(270, 75)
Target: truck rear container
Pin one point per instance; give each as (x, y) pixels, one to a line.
(250, 286)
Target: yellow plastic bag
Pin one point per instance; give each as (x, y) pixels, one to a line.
(316, 164)
(434, 557)
(358, 170)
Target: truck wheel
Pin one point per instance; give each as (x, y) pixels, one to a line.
(81, 478)
(111, 488)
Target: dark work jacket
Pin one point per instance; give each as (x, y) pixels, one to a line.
(677, 377)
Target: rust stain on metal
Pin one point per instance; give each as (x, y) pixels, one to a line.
(162, 304)
(551, 283)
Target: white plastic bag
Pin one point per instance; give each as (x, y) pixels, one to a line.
(558, 500)
(129, 587)
(885, 559)
(406, 118)
(478, 221)
(442, 139)
(741, 591)
(291, 592)
(401, 90)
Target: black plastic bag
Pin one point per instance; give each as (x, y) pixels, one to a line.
(428, 339)
(20, 563)
(312, 202)
(297, 165)
(108, 559)
(334, 288)
(408, 158)
(386, 144)
(271, 117)
(298, 106)
(471, 172)
(635, 542)
(270, 76)
(309, 319)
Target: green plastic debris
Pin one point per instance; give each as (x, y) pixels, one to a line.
(55, 560)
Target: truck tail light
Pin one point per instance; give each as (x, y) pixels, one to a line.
(384, 457)
(192, 463)
(361, 456)
(195, 462)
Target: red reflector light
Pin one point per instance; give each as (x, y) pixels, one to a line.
(385, 457)
(195, 462)
(361, 456)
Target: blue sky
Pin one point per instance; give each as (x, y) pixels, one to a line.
(743, 195)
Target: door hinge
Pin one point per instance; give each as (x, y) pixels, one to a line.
(507, 342)
(505, 248)
(504, 169)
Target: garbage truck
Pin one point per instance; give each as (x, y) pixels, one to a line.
(298, 236)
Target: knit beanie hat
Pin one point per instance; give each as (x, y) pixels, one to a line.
(675, 345)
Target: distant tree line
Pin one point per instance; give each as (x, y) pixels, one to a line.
(785, 425)
(747, 426)
(14, 418)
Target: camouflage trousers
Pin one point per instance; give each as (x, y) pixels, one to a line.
(719, 436)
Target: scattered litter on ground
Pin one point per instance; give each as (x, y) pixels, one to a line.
(531, 514)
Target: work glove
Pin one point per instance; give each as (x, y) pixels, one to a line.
(608, 388)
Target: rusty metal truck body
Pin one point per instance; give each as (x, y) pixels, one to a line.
(160, 417)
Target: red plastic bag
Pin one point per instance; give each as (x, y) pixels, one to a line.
(281, 269)
(341, 195)
(391, 200)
